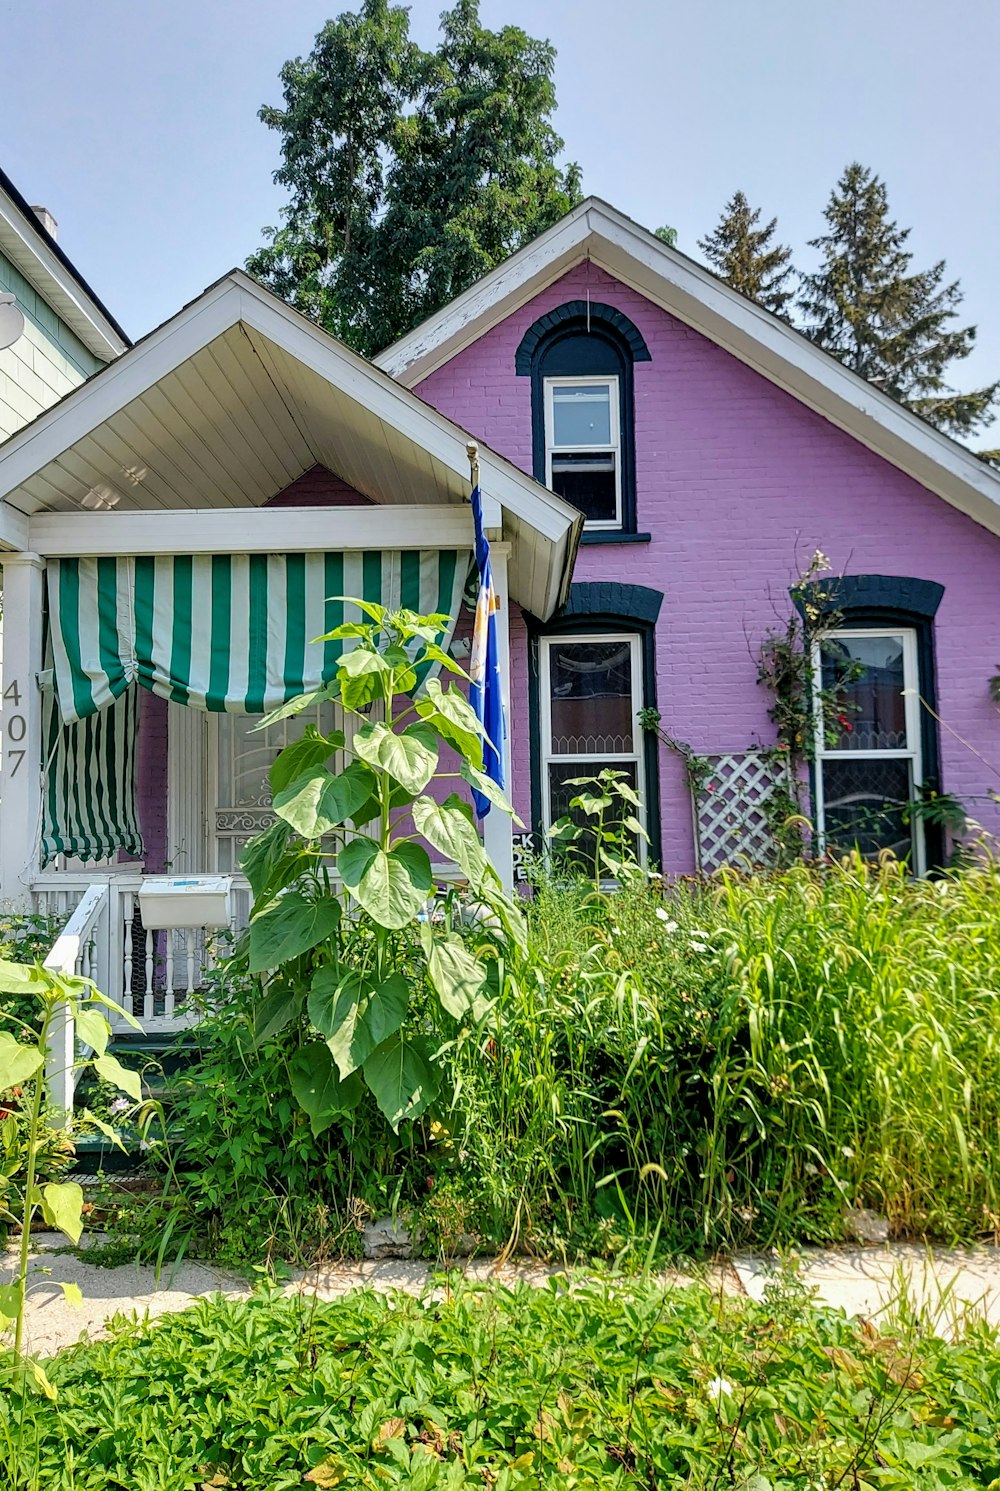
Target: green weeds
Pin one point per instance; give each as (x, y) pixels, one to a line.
(489, 1388)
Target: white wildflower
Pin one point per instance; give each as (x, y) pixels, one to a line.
(664, 916)
(719, 1388)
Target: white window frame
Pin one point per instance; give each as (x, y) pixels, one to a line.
(911, 752)
(611, 382)
(596, 759)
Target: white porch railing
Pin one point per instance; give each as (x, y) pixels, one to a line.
(151, 974)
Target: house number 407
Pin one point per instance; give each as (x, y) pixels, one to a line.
(15, 727)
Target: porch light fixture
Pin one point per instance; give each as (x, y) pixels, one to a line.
(11, 320)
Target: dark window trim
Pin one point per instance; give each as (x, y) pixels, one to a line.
(575, 311)
(626, 347)
(898, 600)
(596, 606)
(614, 536)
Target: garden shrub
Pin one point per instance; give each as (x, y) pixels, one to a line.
(586, 1387)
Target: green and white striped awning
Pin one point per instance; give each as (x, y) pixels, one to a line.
(226, 633)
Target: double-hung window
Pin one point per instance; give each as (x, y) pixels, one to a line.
(868, 746)
(590, 688)
(583, 446)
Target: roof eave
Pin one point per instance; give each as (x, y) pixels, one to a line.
(51, 272)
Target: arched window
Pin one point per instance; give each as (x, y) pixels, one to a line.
(883, 757)
(580, 359)
(593, 669)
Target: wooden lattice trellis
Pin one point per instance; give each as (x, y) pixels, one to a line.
(733, 826)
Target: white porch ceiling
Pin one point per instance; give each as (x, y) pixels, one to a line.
(236, 397)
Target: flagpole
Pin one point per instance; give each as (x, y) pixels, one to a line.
(472, 451)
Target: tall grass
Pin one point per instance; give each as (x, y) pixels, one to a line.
(747, 1060)
(718, 1064)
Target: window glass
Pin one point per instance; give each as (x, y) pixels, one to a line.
(868, 675)
(591, 691)
(868, 763)
(581, 414)
(864, 804)
(591, 694)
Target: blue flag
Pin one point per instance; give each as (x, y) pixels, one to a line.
(485, 693)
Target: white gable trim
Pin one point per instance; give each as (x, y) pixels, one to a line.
(543, 529)
(595, 231)
(28, 250)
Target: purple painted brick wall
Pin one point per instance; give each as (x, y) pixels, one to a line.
(739, 484)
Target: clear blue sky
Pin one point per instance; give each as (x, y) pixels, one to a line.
(135, 122)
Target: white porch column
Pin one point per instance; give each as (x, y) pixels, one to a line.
(21, 727)
(498, 829)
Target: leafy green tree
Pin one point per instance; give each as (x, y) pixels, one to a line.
(892, 325)
(746, 256)
(410, 173)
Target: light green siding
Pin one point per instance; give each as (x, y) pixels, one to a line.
(46, 362)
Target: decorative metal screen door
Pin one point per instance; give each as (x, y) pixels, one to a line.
(240, 759)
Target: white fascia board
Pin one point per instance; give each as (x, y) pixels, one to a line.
(78, 413)
(32, 256)
(418, 421)
(490, 300)
(14, 532)
(788, 359)
(265, 530)
(683, 288)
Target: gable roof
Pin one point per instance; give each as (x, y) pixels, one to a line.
(48, 269)
(597, 232)
(234, 398)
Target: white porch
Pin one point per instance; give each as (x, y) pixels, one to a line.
(176, 449)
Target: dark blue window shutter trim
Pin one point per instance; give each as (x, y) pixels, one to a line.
(901, 595)
(610, 598)
(577, 340)
(577, 310)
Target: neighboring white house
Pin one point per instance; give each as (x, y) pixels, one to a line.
(67, 333)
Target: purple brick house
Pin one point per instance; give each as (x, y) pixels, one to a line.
(713, 450)
(660, 459)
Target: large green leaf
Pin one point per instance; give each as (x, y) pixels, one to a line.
(457, 977)
(272, 859)
(356, 1014)
(313, 749)
(280, 1005)
(289, 926)
(319, 800)
(453, 717)
(489, 790)
(23, 978)
(62, 1207)
(17, 1062)
(93, 1029)
(393, 887)
(364, 676)
(291, 707)
(448, 826)
(317, 1088)
(111, 1069)
(410, 757)
(401, 1078)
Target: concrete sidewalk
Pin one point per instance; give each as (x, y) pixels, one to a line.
(951, 1285)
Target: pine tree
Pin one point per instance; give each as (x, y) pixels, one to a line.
(890, 324)
(411, 173)
(746, 256)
